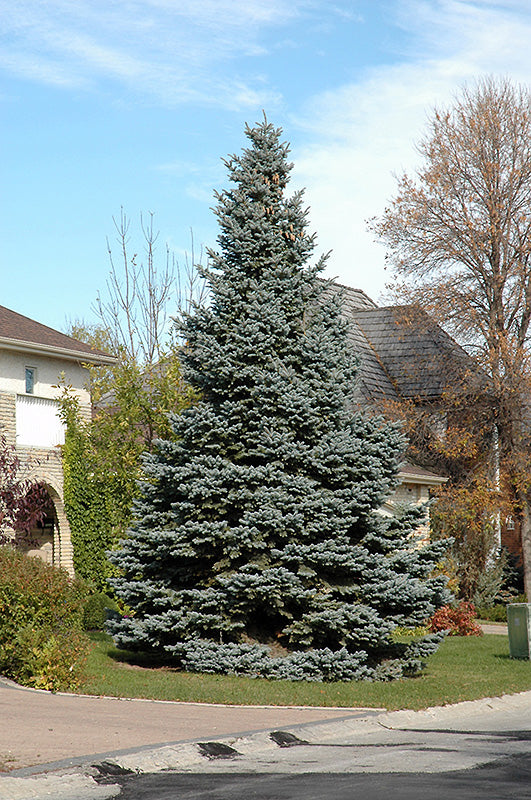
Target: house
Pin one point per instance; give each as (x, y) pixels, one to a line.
(33, 359)
(399, 358)
(405, 356)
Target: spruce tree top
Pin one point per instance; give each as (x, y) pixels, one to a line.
(263, 290)
(260, 227)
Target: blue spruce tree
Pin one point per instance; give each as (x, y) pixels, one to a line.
(257, 548)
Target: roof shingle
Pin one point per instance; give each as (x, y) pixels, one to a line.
(403, 352)
(15, 328)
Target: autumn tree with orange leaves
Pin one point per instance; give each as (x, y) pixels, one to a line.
(458, 235)
(452, 435)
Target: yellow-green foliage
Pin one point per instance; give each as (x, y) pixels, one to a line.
(102, 458)
(89, 502)
(41, 608)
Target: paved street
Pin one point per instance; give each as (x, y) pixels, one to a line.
(476, 749)
(508, 778)
(39, 727)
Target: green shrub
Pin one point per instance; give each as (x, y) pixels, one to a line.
(520, 598)
(95, 611)
(41, 608)
(401, 634)
(498, 612)
(47, 659)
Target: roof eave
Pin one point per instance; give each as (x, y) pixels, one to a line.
(425, 480)
(61, 352)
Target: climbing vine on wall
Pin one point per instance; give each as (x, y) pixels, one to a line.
(102, 457)
(92, 514)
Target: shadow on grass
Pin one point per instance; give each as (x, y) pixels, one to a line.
(141, 658)
(147, 660)
(507, 657)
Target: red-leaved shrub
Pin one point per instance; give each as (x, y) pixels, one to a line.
(458, 621)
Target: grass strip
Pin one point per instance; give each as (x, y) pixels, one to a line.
(462, 669)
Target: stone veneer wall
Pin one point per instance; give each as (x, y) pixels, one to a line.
(41, 464)
(411, 493)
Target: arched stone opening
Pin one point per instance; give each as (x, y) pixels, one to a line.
(51, 539)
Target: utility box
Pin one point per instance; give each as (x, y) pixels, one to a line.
(519, 629)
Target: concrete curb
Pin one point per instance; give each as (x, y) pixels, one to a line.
(7, 682)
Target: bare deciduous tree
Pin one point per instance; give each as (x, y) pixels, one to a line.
(134, 398)
(140, 292)
(459, 240)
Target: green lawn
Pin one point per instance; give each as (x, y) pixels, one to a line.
(462, 669)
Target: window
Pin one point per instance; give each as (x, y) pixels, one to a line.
(30, 380)
(38, 423)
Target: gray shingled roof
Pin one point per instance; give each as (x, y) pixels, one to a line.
(420, 359)
(373, 382)
(403, 352)
(16, 328)
(351, 299)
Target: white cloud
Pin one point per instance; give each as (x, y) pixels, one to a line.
(44, 70)
(165, 50)
(360, 134)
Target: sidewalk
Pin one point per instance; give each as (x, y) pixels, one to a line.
(497, 628)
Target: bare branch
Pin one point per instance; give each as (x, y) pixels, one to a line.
(459, 237)
(141, 293)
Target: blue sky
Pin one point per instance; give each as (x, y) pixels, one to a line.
(133, 103)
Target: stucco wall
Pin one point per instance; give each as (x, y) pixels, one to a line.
(48, 373)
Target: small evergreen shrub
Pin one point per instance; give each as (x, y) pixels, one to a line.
(490, 583)
(498, 612)
(41, 608)
(458, 620)
(95, 611)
